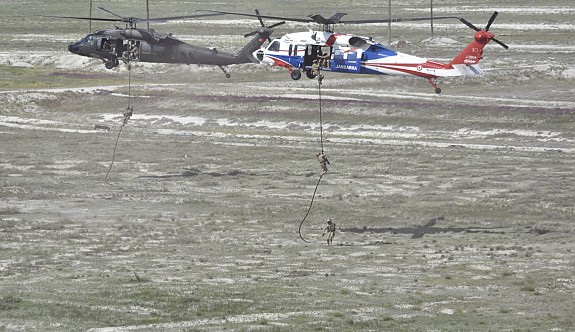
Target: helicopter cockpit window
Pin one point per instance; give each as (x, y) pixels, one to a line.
(87, 41)
(357, 42)
(275, 46)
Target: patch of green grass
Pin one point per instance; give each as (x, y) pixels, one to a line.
(9, 302)
(45, 77)
(10, 210)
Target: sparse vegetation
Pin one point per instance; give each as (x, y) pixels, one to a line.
(454, 212)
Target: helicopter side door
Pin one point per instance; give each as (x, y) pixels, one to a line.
(322, 54)
(310, 55)
(133, 50)
(153, 53)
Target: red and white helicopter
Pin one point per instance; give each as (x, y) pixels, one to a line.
(348, 53)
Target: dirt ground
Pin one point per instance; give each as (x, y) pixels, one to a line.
(454, 212)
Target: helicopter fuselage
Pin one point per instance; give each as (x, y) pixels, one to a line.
(351, 54)
(142, 45)
(348, 53)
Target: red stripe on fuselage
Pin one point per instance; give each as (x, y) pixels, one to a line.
(279, 62)
(417, 71)
(330, 40)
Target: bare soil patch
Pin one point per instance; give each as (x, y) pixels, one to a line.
(454, 212)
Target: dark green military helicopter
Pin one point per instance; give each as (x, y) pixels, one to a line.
(147, 45)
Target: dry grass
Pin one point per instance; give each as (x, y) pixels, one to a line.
(454, 212)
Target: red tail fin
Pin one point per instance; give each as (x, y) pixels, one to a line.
(474, 51)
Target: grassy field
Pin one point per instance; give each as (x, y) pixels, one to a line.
(454, 212)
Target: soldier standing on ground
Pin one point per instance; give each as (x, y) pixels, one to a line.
(330, 229)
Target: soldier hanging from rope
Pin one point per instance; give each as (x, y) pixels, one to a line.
(323, 161)
(127, 115)
(316, 71)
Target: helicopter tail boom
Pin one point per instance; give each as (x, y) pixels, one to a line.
(245, 54)
(474, 51)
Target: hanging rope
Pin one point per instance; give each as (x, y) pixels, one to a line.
(114, 154)
(309, 209)
(320, 121)
(127, 116)
(320, 77)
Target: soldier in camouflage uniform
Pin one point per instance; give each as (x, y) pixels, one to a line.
(321, 157)
(330, 229)
(127, 115)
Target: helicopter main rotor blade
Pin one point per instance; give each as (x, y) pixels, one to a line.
(109, 12)
(491, 19)
(336, 18)
(396, 20)
(261, 16)
(276, 24)
(134, 19)
(163, 19)
(158, 19)
(84, 18)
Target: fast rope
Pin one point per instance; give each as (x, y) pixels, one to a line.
(127, 116)
(320, 77)
(309, 209)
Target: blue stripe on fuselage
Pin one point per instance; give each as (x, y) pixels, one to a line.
(378, 51)
(293, 60)
(374, 52)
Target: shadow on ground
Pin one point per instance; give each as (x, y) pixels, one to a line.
(420, 231)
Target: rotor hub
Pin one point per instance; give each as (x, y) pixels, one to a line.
(483, 37)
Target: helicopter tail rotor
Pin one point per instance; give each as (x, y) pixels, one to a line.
(263, 28)
(486, 29)
(260, 18)
(491, 19)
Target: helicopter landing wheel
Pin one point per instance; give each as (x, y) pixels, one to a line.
(228, 75)
(295, 74)
(433, 84)
(310, 74)
(116, 62)
(109, 64)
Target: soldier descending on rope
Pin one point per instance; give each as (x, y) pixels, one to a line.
(128, 115)
(322, 158)
(316, 71)
(330, 229)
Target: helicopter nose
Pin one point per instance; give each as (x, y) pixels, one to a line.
(74, 48)
(259, 54)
